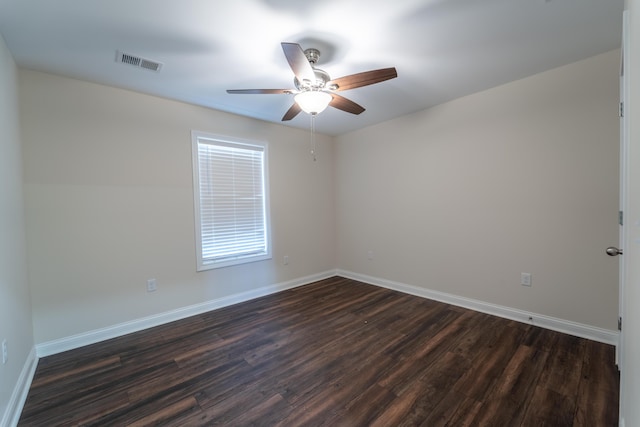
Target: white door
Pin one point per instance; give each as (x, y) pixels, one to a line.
(624, 176)
(624, 143)
(630, 378)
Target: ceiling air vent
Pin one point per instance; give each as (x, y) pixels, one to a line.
(136, 61)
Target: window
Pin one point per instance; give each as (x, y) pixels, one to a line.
(231, 200)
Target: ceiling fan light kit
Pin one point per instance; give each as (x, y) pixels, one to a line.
(313, 101)
(315, 90)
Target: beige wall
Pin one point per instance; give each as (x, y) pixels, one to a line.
(108, 190)
(463, 197)
(15, 307)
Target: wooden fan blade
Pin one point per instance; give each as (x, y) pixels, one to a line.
(298, 62)
(363, 79)
(292, 112)
(259, 91)
(344, 104)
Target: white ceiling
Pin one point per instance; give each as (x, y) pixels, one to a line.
(442, 49)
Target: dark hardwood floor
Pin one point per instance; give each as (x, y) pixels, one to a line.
(335, 353)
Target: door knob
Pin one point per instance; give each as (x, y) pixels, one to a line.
(613, 251)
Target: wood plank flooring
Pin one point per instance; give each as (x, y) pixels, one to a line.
(333, 353)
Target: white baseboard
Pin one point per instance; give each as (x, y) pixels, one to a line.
(92, 337)
(21, 390)
(560, 325)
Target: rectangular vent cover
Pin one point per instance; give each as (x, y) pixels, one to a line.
(136, 61)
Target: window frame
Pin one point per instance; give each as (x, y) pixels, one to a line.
(198, 137)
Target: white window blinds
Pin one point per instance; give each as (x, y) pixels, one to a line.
(231, 201)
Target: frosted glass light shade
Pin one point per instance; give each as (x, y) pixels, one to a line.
(313, 102)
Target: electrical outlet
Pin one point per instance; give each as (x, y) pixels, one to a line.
(5, 352)
(152, 286)
(285, 260)
(370, 255)
(525, 279)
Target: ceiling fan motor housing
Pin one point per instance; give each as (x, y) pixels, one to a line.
(322, 77)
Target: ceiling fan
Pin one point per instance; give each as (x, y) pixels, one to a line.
(314, 89)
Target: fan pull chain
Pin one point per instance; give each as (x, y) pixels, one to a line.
(313, 137)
